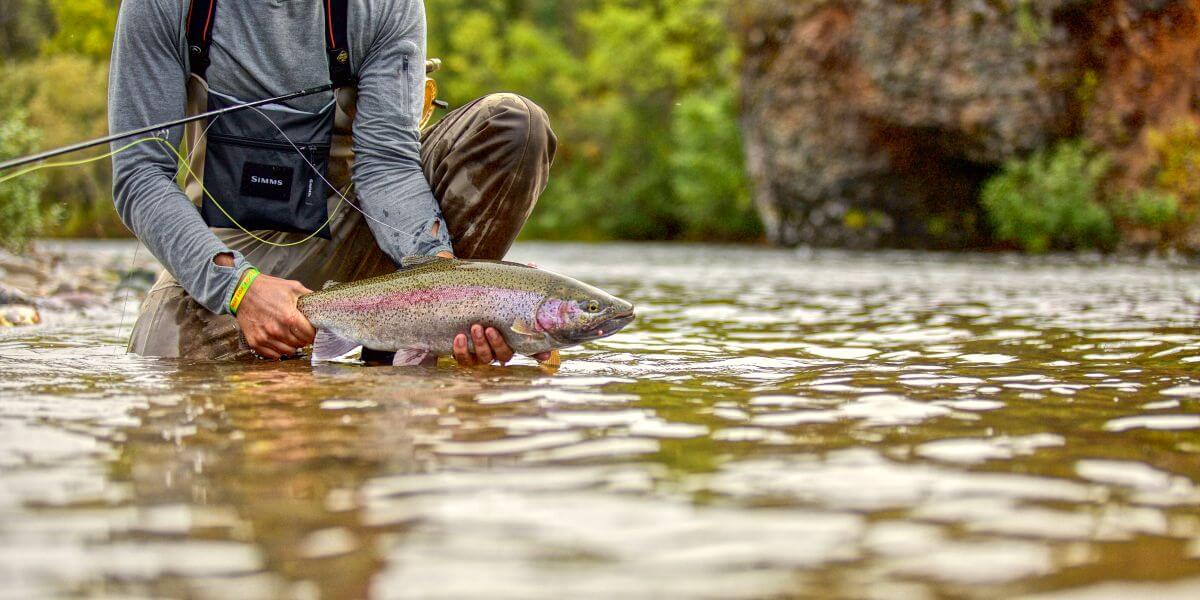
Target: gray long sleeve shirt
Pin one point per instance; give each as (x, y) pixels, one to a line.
(260, 49)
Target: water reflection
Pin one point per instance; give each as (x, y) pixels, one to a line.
(776, 424)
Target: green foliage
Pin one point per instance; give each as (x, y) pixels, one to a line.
(640, 93)
(20, 209)
(1176, 153)
(1154, 209)
(641, 96)
(63, 92)
(85, 28)
(1033, 24)
(24, 24)
(1172, 203)
(65, 98)
(707, 173)
(1051, 200)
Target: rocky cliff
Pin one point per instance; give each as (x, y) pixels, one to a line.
(875, 122)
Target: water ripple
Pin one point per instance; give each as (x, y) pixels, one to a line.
(776, 424)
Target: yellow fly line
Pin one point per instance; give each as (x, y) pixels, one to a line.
(185, 164)
(427, 109)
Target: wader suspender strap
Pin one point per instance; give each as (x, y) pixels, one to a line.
(337, 43)
(202, 13)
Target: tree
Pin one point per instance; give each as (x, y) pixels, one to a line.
(20, 209)
(85, 27)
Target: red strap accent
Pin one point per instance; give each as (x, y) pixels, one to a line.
(329, 22)
(208, 21)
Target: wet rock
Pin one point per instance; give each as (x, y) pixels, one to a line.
(73, 301)
(20, 266)
(875, 122)
(50, 280)
(11, 295)
(16, 315)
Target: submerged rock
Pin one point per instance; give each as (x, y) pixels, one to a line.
(51, 280)
(875, 122)
(16, 315)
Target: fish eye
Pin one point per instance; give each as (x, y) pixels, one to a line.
(593, 306)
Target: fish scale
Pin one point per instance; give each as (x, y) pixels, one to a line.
(421, 308)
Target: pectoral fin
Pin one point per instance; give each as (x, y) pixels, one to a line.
(331, 346)
(520, 327)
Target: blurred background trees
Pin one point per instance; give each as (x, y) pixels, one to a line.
(1034, 126)
(641, 95)
(54, 78)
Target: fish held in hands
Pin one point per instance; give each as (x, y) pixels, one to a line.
(417, 311)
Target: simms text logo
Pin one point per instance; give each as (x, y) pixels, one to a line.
(265, 180)
(273, 182)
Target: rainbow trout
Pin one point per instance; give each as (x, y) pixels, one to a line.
(417, 311)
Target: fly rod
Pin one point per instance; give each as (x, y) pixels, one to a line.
(26, 160)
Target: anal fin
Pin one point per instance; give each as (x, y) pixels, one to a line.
(331, 346)
(414, 358)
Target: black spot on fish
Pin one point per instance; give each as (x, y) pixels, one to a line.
(386, 213)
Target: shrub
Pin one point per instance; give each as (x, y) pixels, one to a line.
(1176, 153)
(1154, 209)
(85, 28)
(65, 97)
(1051, 200)
(20, 210)
(708, 173)
(1173, 205)
(641, 95)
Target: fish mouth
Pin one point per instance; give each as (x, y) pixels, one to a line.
(610, 325)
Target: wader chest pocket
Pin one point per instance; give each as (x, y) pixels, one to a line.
(265, 169)
(262, 184)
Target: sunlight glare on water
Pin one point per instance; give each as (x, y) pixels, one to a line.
(774, 424)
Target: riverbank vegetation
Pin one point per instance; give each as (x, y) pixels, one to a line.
(645, 99)
(640, 94)
(1066, 198)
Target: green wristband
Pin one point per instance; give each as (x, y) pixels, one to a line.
(243, 287)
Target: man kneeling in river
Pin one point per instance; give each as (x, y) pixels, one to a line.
(267, 181)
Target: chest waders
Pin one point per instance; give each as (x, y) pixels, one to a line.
(253, 171)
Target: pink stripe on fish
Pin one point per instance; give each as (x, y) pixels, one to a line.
(424, 296)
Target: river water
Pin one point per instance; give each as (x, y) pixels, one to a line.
(775, 424)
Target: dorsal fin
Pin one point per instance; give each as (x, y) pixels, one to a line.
(409, 262)
(507, 263)
(330, 283)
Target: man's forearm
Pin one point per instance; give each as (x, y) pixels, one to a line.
(405, 216)
(148, 84)
(168, 223)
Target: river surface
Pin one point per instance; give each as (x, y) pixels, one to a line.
(776, 424)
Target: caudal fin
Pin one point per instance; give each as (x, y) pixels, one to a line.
(331, 346)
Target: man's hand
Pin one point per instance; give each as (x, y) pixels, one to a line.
(489, 346)
(270, 322)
